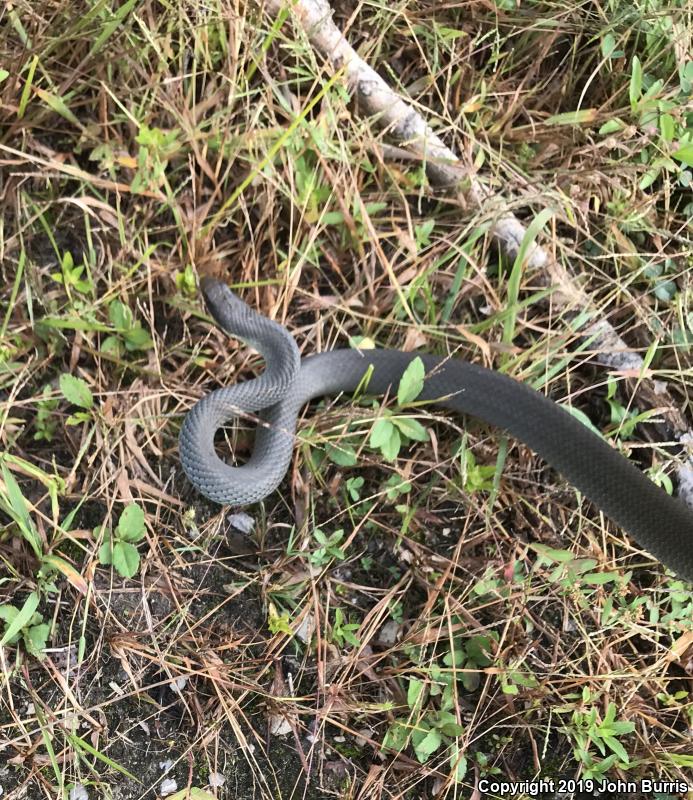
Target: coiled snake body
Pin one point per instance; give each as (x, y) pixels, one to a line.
(660, 523)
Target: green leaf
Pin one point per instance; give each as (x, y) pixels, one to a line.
(57, 104)
(320, 537)
(137, 338)
(78, 418)
(336, 552)
(612, 126)
(652, 93)
(411, 428)
(425, 748)
(380, 432)
(635, 88)
(552, 553)
(8, 612)
(458, 762)
(81, 744)
(600, 578)
(649, 178)
(111, 346)
(523, 678)
(390, 449)
(4, 75)
(73, 323)
(455, 658)
(279, 623)
(349, 637)
(362, 343)
(686, 77)
(684, 154)
(423, 232)
(17, 502)
(619, 728)
(17, 508)
(385, 437)
(581, 117)
(608, 45)
(126, 559)
(396, 737)
(106, 553)
(120, 316)
(580, 415)
(336, 537)
(113, 21)
(665, 292)
(412, 381)
(513, 291)
(580, 565)
(415, 695)
(451, 729)
(76, 391)
(616, 747)
(354, 485)
(192, 794)
(22, 619)
(667, 125)
(131, 523)
(343, 455)
(36, 637)
(478, 648)
(29, 82)
(66, 569)
(396, 486)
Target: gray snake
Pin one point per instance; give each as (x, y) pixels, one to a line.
(658, 522)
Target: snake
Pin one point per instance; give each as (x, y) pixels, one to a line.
(659, 522)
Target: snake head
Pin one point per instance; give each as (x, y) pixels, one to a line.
(225, 306)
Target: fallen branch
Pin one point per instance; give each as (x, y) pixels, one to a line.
(408, 128)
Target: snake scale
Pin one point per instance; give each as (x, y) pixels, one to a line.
(658, 522)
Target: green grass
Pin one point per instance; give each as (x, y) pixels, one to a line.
(422, 604)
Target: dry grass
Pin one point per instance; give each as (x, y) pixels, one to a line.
(157, 141)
